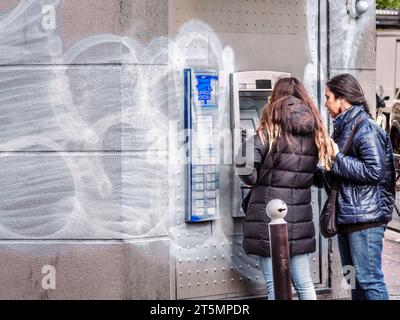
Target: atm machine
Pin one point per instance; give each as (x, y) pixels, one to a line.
(249, 94)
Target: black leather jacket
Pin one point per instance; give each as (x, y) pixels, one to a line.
(367, 188)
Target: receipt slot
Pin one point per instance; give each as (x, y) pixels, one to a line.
(249, 95)
(201, 170)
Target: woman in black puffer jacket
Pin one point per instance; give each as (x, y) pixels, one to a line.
(291, 130)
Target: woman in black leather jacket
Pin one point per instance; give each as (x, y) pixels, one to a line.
(367, 186)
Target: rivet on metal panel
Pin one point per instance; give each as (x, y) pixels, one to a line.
(223, 256)
(188, 234)
(189, 285)
(232, 279)
(206, 270)
(215, 257)
(188, 260)
(240, 254)
(178, 197)
(222, 244)
(248, 266)
(223, 268)
(198, 284)
(205, 233)
(231, 243)
(215, 269)
(180, 260)
(240, 267)
(249, 278)
(189, 272)
(314, 259)
(206, 258)
(205, 246)
(223, 280)
(180, 273)
(197, 259)
(315, 271)
(256, 265)
(231, 255)
(231, 267)
(180, 286)
(197, 246)
(240, 279)
(198, 271)
(178, 235)
(215, 281)
(206, 283)
(214, 245)
(187, 247)
(178, 223)
(196, 234)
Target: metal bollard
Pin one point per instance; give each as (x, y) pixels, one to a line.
(278, 237)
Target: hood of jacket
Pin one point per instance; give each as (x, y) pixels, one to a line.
(299, 119)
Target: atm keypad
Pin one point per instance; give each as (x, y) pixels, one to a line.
(205, 185)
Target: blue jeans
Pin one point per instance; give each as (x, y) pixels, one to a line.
(362, 250)
(300, 274)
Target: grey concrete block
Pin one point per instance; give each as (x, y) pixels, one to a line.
(85, 270)
(82, 196)
(351, 41)
(84, 32)
(78, 108)
(147, 270)
(61, 108)
(146, 22)
(145, 99)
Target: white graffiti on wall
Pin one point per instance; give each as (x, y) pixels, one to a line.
(64, 127)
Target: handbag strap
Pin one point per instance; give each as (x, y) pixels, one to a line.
(346, 148)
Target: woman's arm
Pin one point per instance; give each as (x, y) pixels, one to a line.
(369, 166)
(248, 159)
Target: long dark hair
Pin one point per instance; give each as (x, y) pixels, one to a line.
(274, 115)
(345, 86)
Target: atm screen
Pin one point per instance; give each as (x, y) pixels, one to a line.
(252, 104)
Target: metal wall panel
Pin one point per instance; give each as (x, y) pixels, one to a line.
(245, 35)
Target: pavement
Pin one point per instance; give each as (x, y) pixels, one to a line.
(391, 262)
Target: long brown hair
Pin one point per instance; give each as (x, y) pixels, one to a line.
(274, 113)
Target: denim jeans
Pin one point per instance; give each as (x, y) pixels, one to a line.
(300, 274)
(362, 250)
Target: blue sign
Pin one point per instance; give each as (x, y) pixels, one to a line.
(204, 87)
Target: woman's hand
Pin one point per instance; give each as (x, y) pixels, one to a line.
(335, 149)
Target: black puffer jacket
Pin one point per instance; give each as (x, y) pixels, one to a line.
(287, 175)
